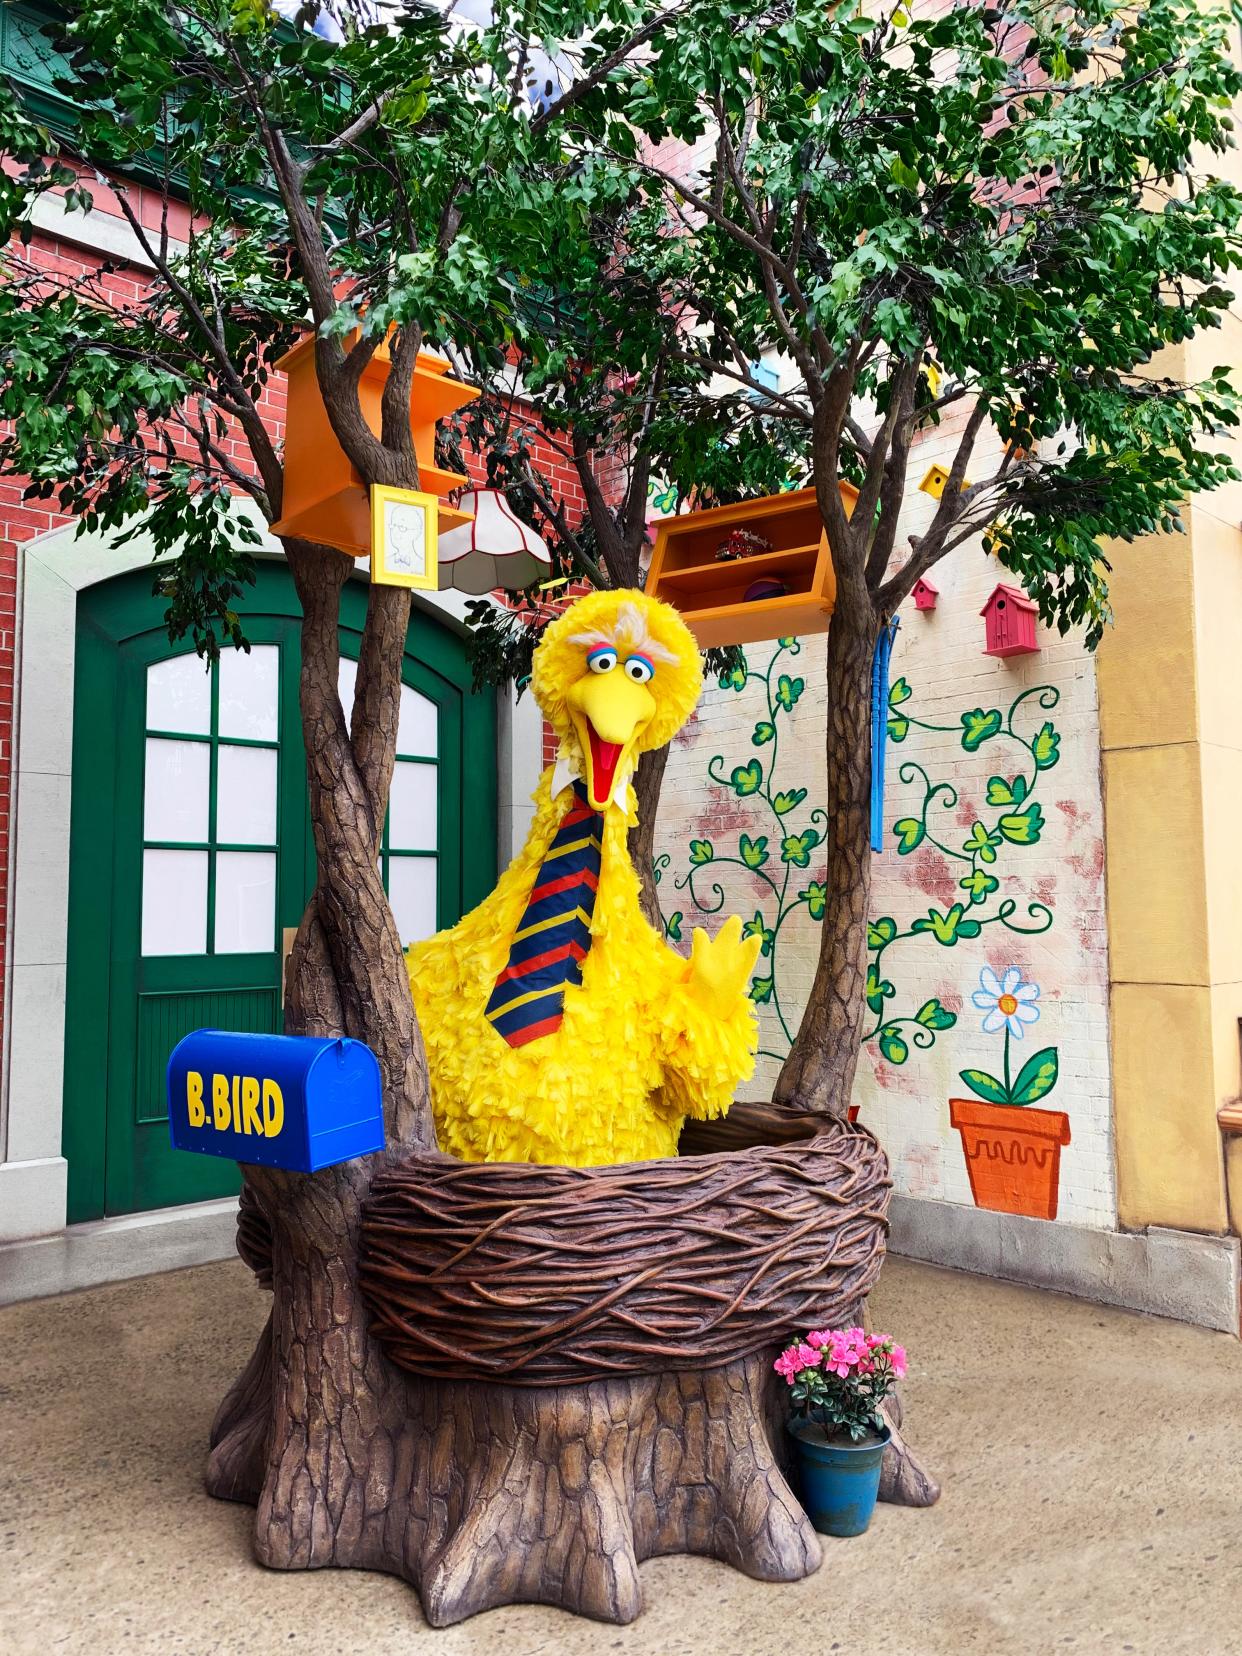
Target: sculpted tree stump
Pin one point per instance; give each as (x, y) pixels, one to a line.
(510, 1383)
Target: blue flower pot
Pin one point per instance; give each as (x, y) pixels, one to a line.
(839, 1481)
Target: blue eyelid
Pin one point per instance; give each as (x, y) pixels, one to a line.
(646, 661)
(599, 650)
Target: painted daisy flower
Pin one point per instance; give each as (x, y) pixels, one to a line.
(1007, 1002)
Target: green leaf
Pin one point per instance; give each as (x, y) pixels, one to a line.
(797, 848)
(880, 933)
(934, 1016)
(1023, 827)
(979, 884)
(753, 852)
(979, 727)
(783, 803)
(700, 852)
(901, 174)
(763, 733)
(788, 691)
(984, 1086)
(892, 1045)
(899, 692)
(1001, 792)
(947, 928)
(816, 898)
(761, 990)
(982, 844)
(747, 779)
(1045, 749)
(1037, 1077)
(734, 678)
(898, 729)
(756, 928)
(909, 832)
(672, 926)
(878, 990)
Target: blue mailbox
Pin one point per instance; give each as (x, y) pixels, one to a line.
(290, 1101)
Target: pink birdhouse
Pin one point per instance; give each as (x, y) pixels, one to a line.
(1009, 617)
(925, 594)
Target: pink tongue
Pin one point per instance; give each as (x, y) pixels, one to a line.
(604, 756)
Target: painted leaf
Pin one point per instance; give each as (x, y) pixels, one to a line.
(756, 928)
(787, 643)
(1037, 1077)
(934, 1016)
(898, 729)
(783, 803)
(1045, 749)
(700, 852)
(909, 832)
(978, 727)
(797, 848)
(1023, 827)
(892, 1045)
(878, 990)
(761, 990)
(1001, 792)
(899, 691)
(734, 679)
(880, 933)
(788, 691)
(947, 928)
(763, 732)
(816, 899)
(979, 884)
(672, 926)
(747, 779)
(984, 1086)
(753, 852)
(982, 844)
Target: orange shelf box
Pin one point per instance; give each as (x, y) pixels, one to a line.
(325, 497)
(712, 596)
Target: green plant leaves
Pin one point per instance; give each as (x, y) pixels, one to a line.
(734, 678)
(1046, 748)
(979, 884)
(1023, 827)
(1001, 792)
(815, 897)
(760, 990)
(947, 928)
(932, 1015)
(783, 803)
(910, 832)
(797, 848)
(982, 844)
(672, 926)
(979, 727)
(756, 928)
(747, 779)
(701, 851)
(789, 691)
(892, 1045)
(899, 691)
(984, 1086)
(753, 852)
(898, 729)
(880, 933)
(878, 989)
(763, 732)
(1037, 1077)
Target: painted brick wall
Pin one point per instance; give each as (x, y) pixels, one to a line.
(939, 656)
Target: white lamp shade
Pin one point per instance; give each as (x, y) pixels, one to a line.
(495, 550)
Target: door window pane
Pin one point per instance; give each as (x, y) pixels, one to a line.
(418, 728)
(245, 902)
(174, 902)
(412, 808)
(246, 796)
(412, 896)
(179, 695)
(175, 790)
(249, 692)
(346, 683)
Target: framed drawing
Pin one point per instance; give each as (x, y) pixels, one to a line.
(403, 538)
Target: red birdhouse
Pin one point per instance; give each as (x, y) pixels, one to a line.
(925, 594)
(1009, 618)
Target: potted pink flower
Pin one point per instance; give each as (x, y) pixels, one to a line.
(838, 1379)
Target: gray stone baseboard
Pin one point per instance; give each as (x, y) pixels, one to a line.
(1179, 1274)
(107, 1250)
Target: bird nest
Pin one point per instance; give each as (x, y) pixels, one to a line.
(546, 1276)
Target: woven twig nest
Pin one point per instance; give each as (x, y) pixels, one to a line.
(544, 1276)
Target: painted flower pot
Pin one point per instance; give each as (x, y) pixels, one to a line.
(1013, 1155)
(839, 1481)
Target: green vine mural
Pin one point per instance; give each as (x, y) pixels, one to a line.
(778, 848)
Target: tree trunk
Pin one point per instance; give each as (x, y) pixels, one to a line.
(648, 780)
(818, 1074)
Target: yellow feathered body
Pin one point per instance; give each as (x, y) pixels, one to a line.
(636, 1051)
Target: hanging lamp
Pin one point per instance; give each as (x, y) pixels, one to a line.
(495, 549)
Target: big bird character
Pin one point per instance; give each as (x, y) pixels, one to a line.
(559, 1025)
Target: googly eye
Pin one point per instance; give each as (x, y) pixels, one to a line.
(602, 659)
(639, 669)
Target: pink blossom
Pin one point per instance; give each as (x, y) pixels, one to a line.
(819, 1338)
(897, 1357)
(809, 1356)
(788, 1364)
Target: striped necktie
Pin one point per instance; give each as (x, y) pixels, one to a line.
(554, 932)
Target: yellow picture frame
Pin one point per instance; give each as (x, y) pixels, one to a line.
(404, 538)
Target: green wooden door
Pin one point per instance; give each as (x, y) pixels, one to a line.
(191, 854)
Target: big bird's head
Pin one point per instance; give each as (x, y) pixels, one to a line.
(617, 674)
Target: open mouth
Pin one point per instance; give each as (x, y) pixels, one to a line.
(605, 757)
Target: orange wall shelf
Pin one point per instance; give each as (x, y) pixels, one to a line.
(325, 497)
(709, 595)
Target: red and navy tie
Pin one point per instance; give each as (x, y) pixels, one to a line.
(554, 932)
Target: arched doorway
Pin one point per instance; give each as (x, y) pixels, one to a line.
(191, 854)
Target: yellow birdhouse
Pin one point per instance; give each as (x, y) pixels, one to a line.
(935, 482)
(745, 572)
(325, 497)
